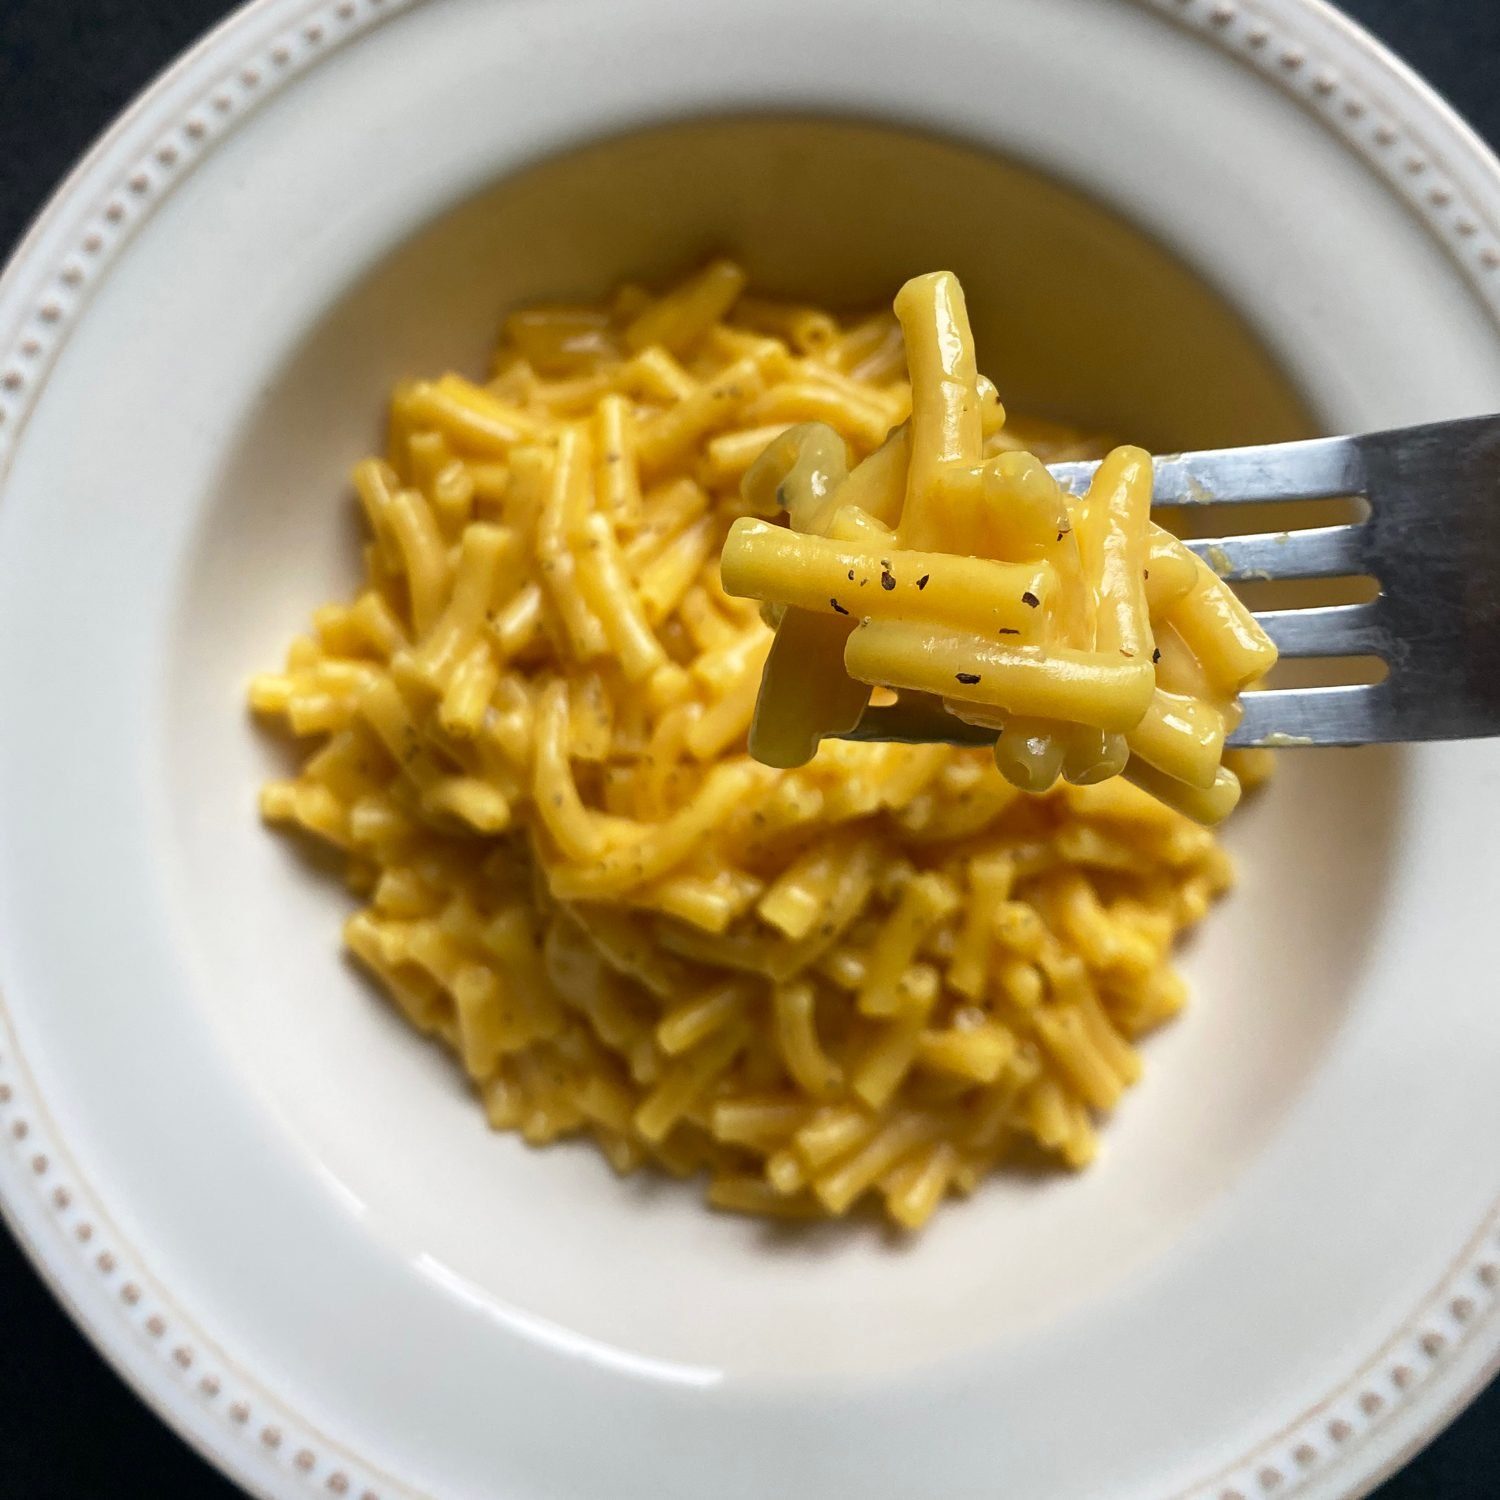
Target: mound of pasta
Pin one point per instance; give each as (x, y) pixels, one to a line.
(1089, 639)
(868, 979)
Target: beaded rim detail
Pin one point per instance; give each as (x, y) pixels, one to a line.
(262, 1436)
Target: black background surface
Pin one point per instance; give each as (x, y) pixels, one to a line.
(68, 1429)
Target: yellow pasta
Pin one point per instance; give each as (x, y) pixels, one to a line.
(999, 600)
(863, 978)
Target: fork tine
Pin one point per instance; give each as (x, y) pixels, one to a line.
(1349, 714)
(898, 726)
(1320, 552)
(1074, 476)
(1327, 630)
(1317, 469)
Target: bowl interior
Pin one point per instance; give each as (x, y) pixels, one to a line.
(1078, 316)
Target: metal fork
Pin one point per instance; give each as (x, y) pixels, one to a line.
(1431, 542)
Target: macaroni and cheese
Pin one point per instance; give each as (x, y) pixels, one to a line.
(868, 978)
(1091, 640)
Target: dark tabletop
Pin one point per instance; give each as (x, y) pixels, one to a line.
(68, 1429)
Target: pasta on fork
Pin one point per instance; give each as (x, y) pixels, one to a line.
(1090, 639)
(868, 977)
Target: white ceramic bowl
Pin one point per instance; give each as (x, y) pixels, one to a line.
(276, 1212)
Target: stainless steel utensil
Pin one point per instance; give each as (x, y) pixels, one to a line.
(1431, 542)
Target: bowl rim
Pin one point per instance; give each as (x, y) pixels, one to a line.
(1377, 106)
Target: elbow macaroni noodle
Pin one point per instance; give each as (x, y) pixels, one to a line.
(1091, 640)
(870, 978)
